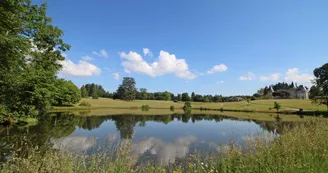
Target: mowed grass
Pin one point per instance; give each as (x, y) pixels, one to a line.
(257, 105)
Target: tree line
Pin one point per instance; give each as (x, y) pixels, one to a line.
(128, 91)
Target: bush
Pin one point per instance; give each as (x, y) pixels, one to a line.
(94, 97)
(187, 106)
(172, 108)
(85, 103)
(145, 107)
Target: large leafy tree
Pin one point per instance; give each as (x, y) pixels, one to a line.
(127, 90)
(67, 92)
(31, 52)
(320, 94)
(185, 97)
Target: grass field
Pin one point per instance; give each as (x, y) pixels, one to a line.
(257, 105)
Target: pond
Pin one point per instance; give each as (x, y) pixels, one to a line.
(160, 138)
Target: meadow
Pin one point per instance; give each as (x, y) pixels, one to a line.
(255, 106)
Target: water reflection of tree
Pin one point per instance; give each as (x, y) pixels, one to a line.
(22, 139)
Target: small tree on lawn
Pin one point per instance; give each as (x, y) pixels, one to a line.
(277, 106)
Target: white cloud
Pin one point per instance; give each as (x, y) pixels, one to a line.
(102, 53)
(116, 76)
(220, 82)
(272, 77)
(292, 75)
(73, 143)
(147, 52)
(249, 76)
(218, 68)
(83, 68)
(127, 71)
(166, 63)
(87, 58)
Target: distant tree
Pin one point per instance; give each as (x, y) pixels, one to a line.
(265, 90)
(248, 101)
(257, 95)
(260, 91)
(179, 97)
(127, 90)
(143, 94)
(276, 106)
(281, 93)
(167, 95)
(193, 96)
(94, 93)
(84, 92)
(321, 82)
(217, 98)
(185, 97)
(206, 99)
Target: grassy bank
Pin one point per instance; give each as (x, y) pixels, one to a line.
(301, 149)
(255, 106)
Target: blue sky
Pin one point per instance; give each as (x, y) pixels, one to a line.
(252, 43)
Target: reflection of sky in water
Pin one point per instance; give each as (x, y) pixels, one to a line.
(166, 142)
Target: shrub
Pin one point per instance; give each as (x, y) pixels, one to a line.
(172, 108)
(94, 97)
(187, 106)
(145, 107)
(85, 103)
(277, 106)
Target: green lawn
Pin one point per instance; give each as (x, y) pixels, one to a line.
(258, 105)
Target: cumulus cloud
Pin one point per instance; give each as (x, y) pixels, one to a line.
(272, 77)
(102, 53)
(147, 52)
(249, 76)
(116, 76)
(293, 75)
(83, 68)
(87, 58)
(218, 68)
(166, 63)
(220, 82)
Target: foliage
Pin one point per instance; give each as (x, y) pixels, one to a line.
(95, 90)
(84, 92)
(127, 90)
(281, 93)
(187, 106)
(145, 107)
(67, 92)
(320, 94)
(172, 108)
(185, 97)
(85, 103)
(276, 106)
(206, 99)
(31, 52)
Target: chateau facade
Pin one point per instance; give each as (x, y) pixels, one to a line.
(299, 92)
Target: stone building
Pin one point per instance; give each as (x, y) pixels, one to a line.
(296, 92)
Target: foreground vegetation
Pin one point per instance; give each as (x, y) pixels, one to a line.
(303, 148)
(257, 105)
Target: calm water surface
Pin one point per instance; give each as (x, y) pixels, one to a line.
(162, 138)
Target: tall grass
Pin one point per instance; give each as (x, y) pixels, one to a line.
(303, 148)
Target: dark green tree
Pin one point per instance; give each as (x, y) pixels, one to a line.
(185, 97)
(127, 90)
(84, 92)
(321, 82)
(193, 96)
